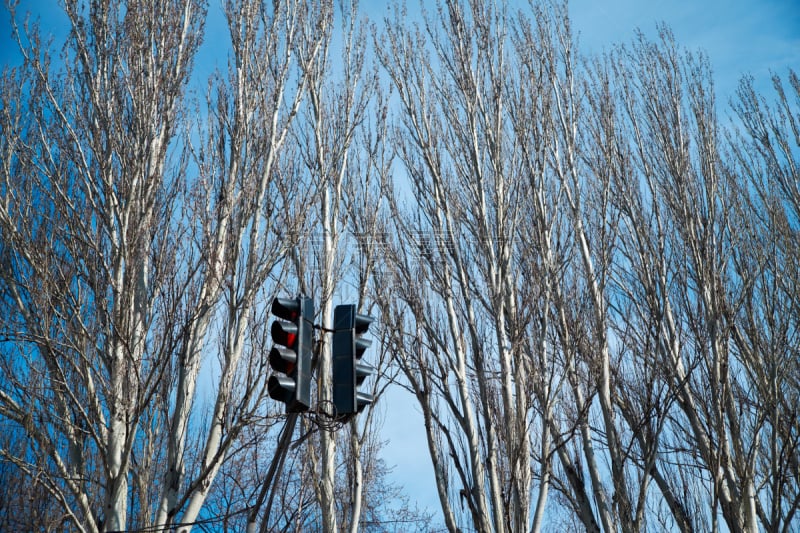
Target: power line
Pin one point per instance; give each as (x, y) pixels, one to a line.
(176, 526)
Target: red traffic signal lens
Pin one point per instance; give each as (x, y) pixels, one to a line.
(286, 309)
(284, 333)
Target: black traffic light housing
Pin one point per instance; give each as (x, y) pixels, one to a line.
(348, 370)
(290, 357)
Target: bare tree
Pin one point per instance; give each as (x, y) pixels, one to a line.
(624, 337)
(89, 189)
(349, 161)
(693, 277)
(764, 270)
(467, 325)
(251, 210)
(367, 182)
(114, 283)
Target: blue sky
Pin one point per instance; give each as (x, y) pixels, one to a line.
(740, 36)
(756, 37)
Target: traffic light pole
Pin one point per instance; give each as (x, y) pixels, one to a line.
(272, 474)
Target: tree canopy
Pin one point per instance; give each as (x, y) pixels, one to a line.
(583, 278)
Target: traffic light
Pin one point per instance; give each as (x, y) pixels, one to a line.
(290, 357)
(348, 370)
